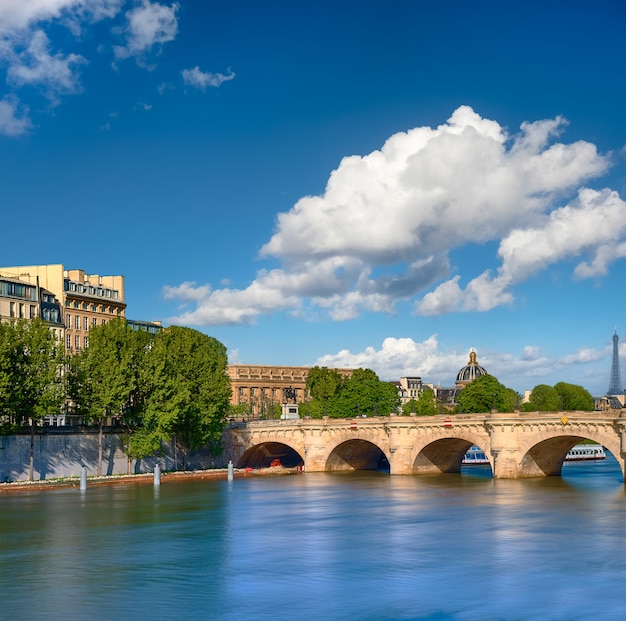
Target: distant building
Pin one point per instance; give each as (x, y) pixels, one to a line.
(153, 327)
(469, 372)
(615, 382)
(411, 388)
(261, 387)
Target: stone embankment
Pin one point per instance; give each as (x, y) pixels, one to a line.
(142, 479)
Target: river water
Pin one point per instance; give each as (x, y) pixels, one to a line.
(359, 546)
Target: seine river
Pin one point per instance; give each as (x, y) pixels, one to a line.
(361, 546)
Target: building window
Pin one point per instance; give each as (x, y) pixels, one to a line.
(85, 323)
(104, 321)
(68, 321)
(94, 322)
(76, 322)
(68, 341)
(77, 342)
(86, 342)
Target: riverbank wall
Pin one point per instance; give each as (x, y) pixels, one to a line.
(63, 451)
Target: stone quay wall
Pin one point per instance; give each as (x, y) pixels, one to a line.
(63, 451)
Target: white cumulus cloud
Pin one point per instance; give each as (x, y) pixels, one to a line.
(405, 357)
(383, 229)
(55, 73)
(148, 26)
(593, 224)
(12, 122)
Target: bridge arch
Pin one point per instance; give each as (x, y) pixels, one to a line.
(261, 456)
(445, 455)
(356, 454)
(546, 456)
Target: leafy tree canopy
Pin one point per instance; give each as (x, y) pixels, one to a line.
(483, 394)
(574, 397)
(543, 398)
(189, 390)
(336, 396)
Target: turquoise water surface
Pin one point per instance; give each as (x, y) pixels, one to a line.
(360, 546)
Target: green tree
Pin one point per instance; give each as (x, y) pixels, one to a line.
(574, 397)
(543, 398)
(189, 393)
(324, 385)
(483, 394)
(108, 378)
(31, 375)
(364, 393)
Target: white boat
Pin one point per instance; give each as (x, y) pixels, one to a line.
(583, 452)
(474, 457)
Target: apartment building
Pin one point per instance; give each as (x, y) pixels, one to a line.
(26, 299)
(85, 300)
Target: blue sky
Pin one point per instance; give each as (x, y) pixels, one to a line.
(377, 184)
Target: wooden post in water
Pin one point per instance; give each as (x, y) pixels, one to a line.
(231, 472)
(83, 479)
(157, 475)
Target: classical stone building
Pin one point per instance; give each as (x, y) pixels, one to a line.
(263, 387)
(469, 372)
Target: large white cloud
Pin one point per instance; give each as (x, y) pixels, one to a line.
(384, 227)
(593, 224)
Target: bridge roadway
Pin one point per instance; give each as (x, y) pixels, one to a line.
(518, 445)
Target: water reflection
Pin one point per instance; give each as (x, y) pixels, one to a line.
(360, 546)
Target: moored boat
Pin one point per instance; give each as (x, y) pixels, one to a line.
(584, 452)
(475, 456)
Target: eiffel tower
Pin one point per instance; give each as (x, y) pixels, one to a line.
(615, 383)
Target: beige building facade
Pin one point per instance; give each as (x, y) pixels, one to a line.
(26, 299)
(86, 300)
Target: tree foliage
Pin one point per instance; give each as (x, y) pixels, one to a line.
(170, 385)
(574, 397)
(188, 393)
(561, 396)
(361, 394)
(543, 398)
(107, 379)
(485, 393)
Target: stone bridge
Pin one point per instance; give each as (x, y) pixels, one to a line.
(518, 445)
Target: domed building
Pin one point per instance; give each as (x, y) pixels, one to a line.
(469, 372)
